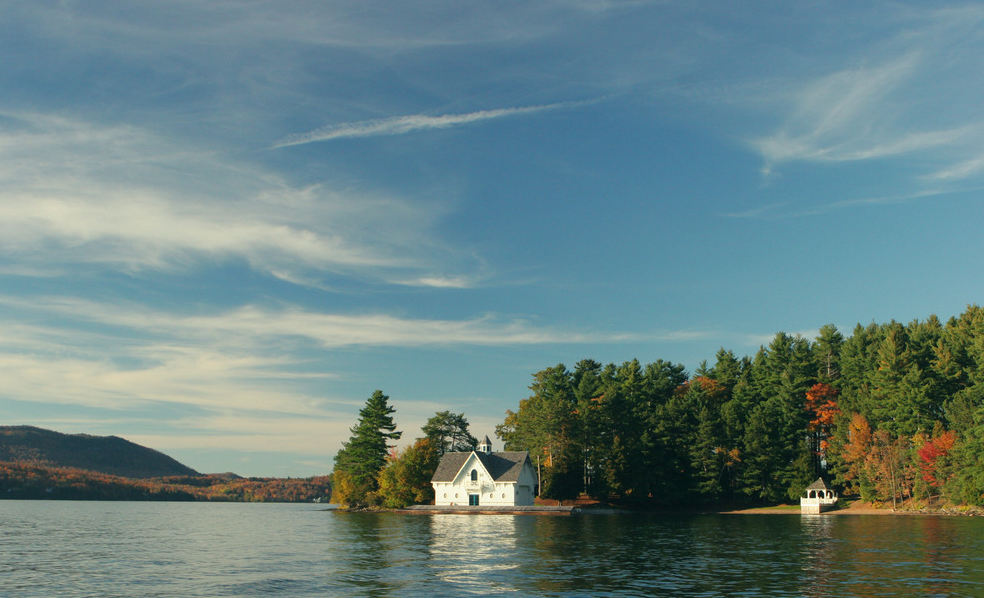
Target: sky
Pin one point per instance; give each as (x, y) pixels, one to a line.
(224, 224)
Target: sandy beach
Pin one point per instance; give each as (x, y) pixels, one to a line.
(863, 508)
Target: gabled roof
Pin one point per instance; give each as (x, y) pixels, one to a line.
(503, 467)
(818, 485)
(450, 465)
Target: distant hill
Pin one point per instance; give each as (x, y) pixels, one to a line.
(104, 454)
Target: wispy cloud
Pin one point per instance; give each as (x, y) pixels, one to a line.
(400, 125)
(76, 193)
(343, 23)
(254, 326)
(959, 171)
(764, 211)
(186, 375)
(442, 282)
(842, 117)
(780, 211)
(243, 431)
(898, 95)
(142, 229)
(235, 370)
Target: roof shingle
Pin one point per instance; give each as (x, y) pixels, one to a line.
(503, 467)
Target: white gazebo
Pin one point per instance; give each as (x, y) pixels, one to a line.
(819, 498)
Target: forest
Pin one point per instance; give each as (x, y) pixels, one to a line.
(29, 481)
(894, 413)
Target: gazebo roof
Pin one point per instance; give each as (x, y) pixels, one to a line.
(818, 485)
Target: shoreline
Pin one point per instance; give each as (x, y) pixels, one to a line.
(862, 508)
(849, 508)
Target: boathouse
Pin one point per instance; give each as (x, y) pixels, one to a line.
(481, 477)
(819, 498)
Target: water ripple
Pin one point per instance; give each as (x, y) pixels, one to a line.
(210, 550)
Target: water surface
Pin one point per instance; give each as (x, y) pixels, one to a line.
(125, 549)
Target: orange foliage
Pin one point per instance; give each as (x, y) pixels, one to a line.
(731, 457)
(821, 406)
(932, 452)
(857, 447)
(821, 403)
(711, 387)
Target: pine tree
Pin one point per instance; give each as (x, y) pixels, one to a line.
(967, 483)
(827, 349)
(361, 459)
(448, 432)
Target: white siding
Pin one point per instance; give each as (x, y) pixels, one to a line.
(490, 493)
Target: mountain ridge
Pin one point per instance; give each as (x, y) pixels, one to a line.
(109, 455)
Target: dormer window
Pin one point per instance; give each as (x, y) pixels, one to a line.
(474, 475)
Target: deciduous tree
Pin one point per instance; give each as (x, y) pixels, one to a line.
(406, 478)
(934, 457)
(821, 408)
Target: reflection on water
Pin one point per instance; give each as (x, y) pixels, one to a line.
(474, 553)
(209, 550)
(894, 555)
(817, 548)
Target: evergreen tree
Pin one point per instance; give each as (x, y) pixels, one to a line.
(827, 350)
(588, 395)
(707, 456)
(728, 370)
(448, 432)
(764, 456)
(967, 483)
(547, 425)
(858, 361)
(358, 464)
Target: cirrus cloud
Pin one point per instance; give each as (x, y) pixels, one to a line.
(77, 192)
(400, 125)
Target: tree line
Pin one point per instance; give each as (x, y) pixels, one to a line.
(369, 471)
(894, 412)
(29, 481)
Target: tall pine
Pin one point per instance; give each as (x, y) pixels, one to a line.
(357, 465)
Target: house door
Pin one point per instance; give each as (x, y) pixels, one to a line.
(473, 500)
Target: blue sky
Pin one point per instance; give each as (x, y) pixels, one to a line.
(224, 224)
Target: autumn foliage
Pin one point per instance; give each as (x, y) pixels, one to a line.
(932, 454)
(26, 481)
(821, 406)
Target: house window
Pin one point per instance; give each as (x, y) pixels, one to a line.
(473, 500)
(474, 475)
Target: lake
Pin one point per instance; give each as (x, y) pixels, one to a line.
(185, 550)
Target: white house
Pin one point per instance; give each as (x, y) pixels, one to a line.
(819, 498)
(481, 477)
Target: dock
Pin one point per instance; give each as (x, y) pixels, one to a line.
(489, 510)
